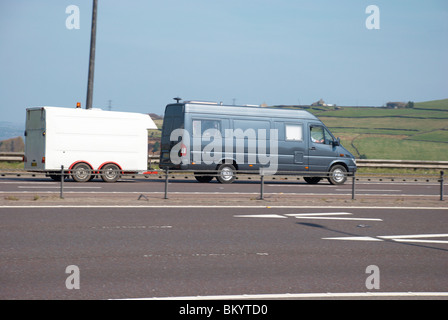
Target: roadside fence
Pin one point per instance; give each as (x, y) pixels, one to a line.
(260, 177)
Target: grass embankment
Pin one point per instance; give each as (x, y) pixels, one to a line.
(419, 133)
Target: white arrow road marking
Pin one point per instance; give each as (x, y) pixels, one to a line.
(318, 216)
(413, 238)
(321, 216)
(398, 238)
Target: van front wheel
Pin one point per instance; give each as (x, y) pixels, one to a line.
(338, 174)
(226, 173)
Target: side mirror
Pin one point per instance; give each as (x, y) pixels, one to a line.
(337, 142)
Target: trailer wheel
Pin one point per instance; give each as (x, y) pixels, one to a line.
(338, 174)
(226, 173)
(110, 173)
(81, 172)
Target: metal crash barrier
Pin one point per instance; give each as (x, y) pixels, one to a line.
(260, 177)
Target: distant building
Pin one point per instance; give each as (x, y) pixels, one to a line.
(396, 105)
(321, 103)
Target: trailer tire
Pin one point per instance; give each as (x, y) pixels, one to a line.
(110, 173)
(81, 172)
(226, 173)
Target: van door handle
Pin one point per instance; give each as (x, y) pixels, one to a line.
(313, 148)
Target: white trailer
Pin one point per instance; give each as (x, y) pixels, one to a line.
(86, 142)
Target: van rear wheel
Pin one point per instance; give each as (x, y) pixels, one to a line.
(226, 173)
(204, 179)
(312, 180)
(338, 174)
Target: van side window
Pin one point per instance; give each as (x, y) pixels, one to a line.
(251, 128)
(200, 126)
(293, 132)
(319, 134)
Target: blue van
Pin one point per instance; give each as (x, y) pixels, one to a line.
(216, 140)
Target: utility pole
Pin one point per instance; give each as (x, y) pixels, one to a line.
(92, 57)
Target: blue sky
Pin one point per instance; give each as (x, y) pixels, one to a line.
(247, 51)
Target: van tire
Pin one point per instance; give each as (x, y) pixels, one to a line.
(226, 173)
(110, 173)
(312, 180)
(204, 179)
(81, 172)
(57, 176)
(338, 174)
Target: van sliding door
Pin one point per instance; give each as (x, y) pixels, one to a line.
(292, 153)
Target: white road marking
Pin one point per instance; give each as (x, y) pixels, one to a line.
(131, 227)
(309, 216)
(421, 241)
(260, 216)
(414, 237)
(27, 182)
(398, 238)
(369, 190)
(439, 235)
(225, 254)
(303, 296)
(354, 238)
(317, 214)
(338, 218)
(38, 187)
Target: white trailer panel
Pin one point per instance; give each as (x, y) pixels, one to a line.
(58, 137)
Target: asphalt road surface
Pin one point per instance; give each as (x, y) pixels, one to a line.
(130, 252)
(215, 241)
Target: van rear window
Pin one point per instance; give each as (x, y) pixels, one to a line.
(170, 124)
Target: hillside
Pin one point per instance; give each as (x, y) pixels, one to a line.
(12, 145)
(418, 133)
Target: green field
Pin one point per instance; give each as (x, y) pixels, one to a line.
(418, 133)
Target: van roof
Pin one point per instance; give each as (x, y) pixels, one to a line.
(255, 111)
